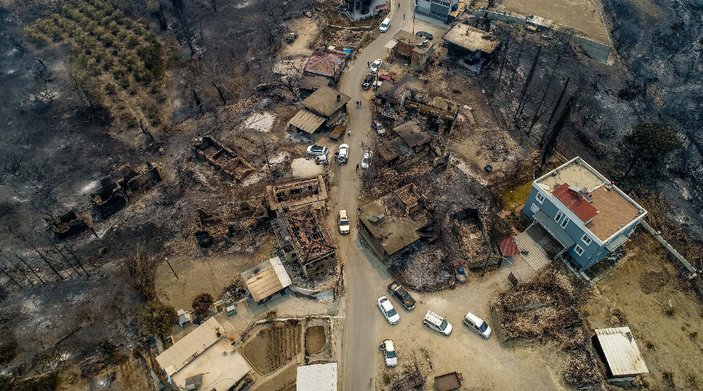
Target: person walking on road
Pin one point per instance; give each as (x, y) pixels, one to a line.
(403, 16)
(357, 167)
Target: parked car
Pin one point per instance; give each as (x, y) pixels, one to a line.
(376, 65)
(385, 25)
(343, 222)
(401, 294)
(437, 323)
(368, 80)
(366, 159)
(316, 150)
(378, 127)
(343, 154)
(477, 325)
(424, 34)
(321, 159)
(388, 310)
(389, 356)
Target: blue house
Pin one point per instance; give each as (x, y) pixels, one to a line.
(586, 215)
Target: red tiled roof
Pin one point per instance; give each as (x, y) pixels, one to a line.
(575, 202)
(508, 247)
(325, 64)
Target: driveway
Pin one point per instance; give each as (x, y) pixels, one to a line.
(365, 276)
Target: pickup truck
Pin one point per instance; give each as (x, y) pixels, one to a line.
(396, 290)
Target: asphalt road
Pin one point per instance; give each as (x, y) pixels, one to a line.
(366, 278)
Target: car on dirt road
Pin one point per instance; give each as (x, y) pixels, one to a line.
(366, 159)
(401, 294)
(315, 150)
(376, 65)
(343, 154)
(389, 356)
(477, 325)
(437, 323)
(385, 25)
(368, 81)
(343, 222)
(388, 310)
(424, 34)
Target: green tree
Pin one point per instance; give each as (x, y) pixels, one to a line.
(646, 151)
(157, 318)
(202, 304)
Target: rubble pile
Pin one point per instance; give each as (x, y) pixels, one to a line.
(234, 227)
(456, 203)
(535, 310)
(544, 309)
(423, 267)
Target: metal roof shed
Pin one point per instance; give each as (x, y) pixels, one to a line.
(617, 345)
(317, 377)
(306, 121)
(270, 277)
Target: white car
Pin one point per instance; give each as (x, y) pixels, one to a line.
(366, 159)
(387, 310)
(437, 323)
(477, 325)
(389, 356)
(376, 65)
(343, 221)
(343, 154)
(316, 150)
(385, 25)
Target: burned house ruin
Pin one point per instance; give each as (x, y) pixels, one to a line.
(223, 159)
(304, 241)
(114, 191)
(290, 195)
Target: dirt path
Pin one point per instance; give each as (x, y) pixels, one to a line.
(365, 276)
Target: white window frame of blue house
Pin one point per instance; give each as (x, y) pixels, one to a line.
(578, 250)
(540, 198)
(559, 215)
(564, 222)
(586, 239)
(534, 208)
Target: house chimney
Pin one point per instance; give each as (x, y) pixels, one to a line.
(339, 97)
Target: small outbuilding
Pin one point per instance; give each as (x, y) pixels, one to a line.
(324, 107)
(317, 377)
(471, 47)
(326, 64)
(617, 347)
(266, 279)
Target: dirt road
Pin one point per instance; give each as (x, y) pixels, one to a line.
(365, 276)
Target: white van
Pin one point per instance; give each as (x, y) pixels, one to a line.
(477, 325)
(437, 323)
(385, 25)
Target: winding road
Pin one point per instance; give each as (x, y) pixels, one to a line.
(366, 278)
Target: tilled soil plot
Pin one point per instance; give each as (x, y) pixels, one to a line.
(273, 346)
(315, 339)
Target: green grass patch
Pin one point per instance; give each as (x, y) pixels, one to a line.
(516, 195)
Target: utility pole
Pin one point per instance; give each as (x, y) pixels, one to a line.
(539, 114)
(171, 267)
(77, 260)
(523, 94)
(65, 259)
(554, 112)
(517, 66)
(4, 271)
(30, 268)
(48, 263)
(22, 272)
(268, 165)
